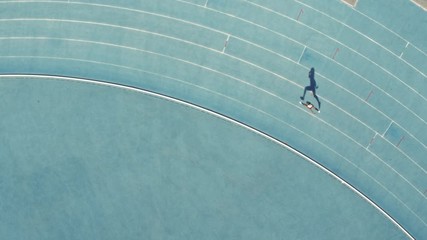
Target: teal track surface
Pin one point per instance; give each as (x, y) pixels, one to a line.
(181, 120)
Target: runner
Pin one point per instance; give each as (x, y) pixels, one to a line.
(312, 87)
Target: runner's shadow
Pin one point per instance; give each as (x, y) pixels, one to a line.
(312, 87)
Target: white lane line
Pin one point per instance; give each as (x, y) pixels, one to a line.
(279, 34)
(344, 24)
(401, 54)
(282, 77)
(211, 50)
(351, 49)
(302, 53)
(372, 140)
(355, 4)
(206, 3)
(199, 25)
(339, 86)
(349, 4)
(391, 123)
(232, 16)
(277, 75)
(376, 86)
(419, 5)
(388, 29)
(108, 25)
(165, 16)
(312, 161)
(268, 93)
(226, 43)
(399, 149)
(376, 156)
(247, 21)
(269, 71)
(406, 155)
(304, 134)
(217, 51)
(419, 50)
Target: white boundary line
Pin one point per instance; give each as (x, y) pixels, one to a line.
(105, 25)
(192, 23)
(364, 35)
(320, 142)
(348, 4)
(391, 123)
(302, 53)
(372, 140)
(419, 5)
(346, 46)
(401, 54)
(207, 28)
(388, 29)
(279, 34)
(235, 58)
(226, 43)
(275, 96)
(237, 123)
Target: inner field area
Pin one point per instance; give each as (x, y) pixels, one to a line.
(117, 163)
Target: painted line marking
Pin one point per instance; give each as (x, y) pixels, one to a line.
(249, 43)
(248, 127)
(358, 168)
(372, 140)
(226, 43)
(400, 141)
(206, 3)
(387, 129)
(299, 14)
(349, 4)
(302, 53)
(416, 69)
(401, 54)
(290, 60)
(336, 51)
(369, 95)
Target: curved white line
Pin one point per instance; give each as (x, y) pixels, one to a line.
(192, 23)
(362, 34)
(279, 76)
(351, 49)
(253, 86)
(239, 124)
(311, 138)
(279, 34)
